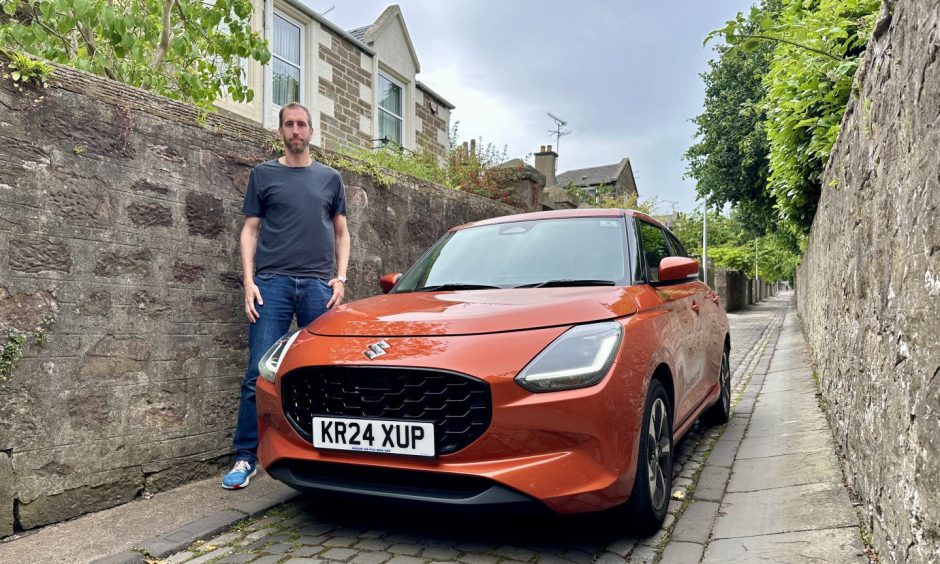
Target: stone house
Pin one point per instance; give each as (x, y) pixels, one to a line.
(618, 177)
(360, 86)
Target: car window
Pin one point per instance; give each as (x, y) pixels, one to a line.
(525, 253)
(655, 248)
(677, 249)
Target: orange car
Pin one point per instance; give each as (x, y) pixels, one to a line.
(549, 357)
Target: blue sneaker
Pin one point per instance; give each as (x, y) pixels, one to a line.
(240, 474)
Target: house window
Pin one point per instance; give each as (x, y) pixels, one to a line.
(287, 61)
(390, 110)
(224, 29)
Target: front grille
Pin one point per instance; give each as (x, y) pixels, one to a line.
(459, 406)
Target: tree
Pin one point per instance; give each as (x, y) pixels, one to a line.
(730, 160)
(184, 49)
(817, 47)
(808, 88)
(730, 245)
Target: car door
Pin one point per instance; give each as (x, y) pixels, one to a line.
(677, 301)
(701, 341)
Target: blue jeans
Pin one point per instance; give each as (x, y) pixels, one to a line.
(283, 296)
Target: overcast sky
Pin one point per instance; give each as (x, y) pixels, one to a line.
(624, 74)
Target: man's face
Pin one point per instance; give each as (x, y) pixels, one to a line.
(296, 132)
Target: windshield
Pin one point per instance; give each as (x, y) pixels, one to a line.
(554, 252)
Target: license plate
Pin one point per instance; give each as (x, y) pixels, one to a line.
(374, 435)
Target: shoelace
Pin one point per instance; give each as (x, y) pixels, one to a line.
(242, 466)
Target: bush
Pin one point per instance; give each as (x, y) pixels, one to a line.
(470, 167)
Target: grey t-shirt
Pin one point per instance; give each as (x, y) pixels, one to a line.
(296, 206)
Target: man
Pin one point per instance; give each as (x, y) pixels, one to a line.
(294, 235)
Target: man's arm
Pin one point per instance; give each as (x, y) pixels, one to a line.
(341, 235)
(249, 244)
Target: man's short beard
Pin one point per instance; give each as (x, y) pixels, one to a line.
(302, 147)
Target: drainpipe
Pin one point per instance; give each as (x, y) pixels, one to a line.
(266, 76)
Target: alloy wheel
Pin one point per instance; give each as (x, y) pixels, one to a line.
(726, 382)
(659, 454)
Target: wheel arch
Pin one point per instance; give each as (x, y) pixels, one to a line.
(663, 374)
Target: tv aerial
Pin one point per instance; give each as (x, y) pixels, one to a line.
(558, 131)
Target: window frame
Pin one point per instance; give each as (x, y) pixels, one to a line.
(380, 109)
(301, 43)
(678, 250)
(642, 252)
(222, 28)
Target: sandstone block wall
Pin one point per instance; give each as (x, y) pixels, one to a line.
(432, 126)
(869, 285)
(119, 219)
(349, 124)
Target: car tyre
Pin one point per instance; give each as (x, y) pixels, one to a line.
(652, 488)
(720, 412)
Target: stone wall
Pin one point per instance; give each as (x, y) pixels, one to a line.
(869, 285)
(119, 221)
(433, 121)
(731, 286)
(349, 87)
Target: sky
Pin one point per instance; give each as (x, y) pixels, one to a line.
(623, 74)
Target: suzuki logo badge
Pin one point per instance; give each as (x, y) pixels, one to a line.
(376, 349)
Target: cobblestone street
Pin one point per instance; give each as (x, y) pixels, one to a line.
(312, 530)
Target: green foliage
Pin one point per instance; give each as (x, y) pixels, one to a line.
(421, 164)
(730, 160)
(184, 49)
(604, 197)
(11, 353)
(25, 70)
(469, 167)
(364, 167)
(12, 350)
(797, 60)
(730, 245)
(807, 94)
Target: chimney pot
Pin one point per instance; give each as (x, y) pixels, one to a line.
(545, 162)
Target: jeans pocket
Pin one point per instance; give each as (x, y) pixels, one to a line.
(265, 276)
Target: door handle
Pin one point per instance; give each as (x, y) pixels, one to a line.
(696, 307)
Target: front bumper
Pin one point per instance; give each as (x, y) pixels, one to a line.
(456, 490)
(572, 451)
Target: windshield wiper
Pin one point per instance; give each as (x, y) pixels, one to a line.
(455, 286)
(568, 282)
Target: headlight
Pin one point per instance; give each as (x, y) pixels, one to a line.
(269, 363)
(578, 358)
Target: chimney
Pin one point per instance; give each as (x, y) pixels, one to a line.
(545, 162)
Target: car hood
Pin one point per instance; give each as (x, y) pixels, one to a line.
(475, 312)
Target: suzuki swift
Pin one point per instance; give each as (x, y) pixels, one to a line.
(547, 358)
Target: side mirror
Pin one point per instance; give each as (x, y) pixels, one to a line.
(388, 281)
(677, 268)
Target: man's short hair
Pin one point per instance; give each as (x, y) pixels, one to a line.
(280, 115)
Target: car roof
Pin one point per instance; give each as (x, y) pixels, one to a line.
(560, 214)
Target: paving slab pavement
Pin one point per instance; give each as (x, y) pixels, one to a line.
(785, 501)
(787, 470)
(164, 523)
(809, 547)
(782, 510)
